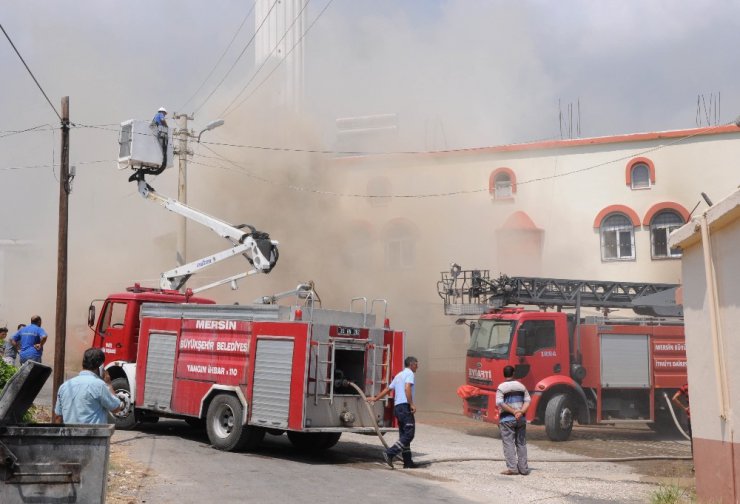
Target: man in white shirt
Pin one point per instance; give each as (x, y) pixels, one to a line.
(513, 399)
(404, 409)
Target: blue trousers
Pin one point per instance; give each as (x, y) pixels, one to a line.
(406, 431)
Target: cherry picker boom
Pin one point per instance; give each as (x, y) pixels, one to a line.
(255, 246)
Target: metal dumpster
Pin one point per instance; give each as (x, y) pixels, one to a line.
(48, 463)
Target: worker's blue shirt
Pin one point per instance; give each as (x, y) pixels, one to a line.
(158, 119)
(85, 399)
(399, 386)
(27, 337)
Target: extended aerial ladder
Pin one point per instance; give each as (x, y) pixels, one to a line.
(255, 246)
(473, 292)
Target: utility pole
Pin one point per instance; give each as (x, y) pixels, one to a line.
(60, 335)
(182, 152)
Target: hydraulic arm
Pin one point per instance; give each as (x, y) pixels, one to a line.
(255, 246)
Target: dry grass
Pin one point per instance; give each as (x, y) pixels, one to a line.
(126, 478)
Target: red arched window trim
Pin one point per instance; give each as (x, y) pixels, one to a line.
(666, 205)
(631, 214)
(633, 162)
(497, 171)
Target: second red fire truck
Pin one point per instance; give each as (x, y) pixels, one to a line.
(590, 370)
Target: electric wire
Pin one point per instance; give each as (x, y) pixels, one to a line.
(238, 30)
(4, 134)
(284, 58)
(264, 62)
(30, 72)
(249, 43)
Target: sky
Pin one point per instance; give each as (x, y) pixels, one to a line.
(453, 74)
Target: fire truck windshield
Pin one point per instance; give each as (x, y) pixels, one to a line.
(491, 338)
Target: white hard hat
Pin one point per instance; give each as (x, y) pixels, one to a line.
(162, 109)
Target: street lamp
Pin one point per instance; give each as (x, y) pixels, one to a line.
(211, 125)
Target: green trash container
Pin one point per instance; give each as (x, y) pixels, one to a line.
(48, 463)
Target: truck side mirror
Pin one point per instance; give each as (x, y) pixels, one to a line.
(91, 316)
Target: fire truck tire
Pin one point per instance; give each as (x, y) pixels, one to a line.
(332, 438)
(559, 416)
(126, 420)
(224, 426)
(313, 441)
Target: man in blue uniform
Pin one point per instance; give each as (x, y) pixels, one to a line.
(159, 123)
(88, 397)
(29, 341)
(404, 409)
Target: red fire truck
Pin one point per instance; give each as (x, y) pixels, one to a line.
(244, 370)
(593, 370)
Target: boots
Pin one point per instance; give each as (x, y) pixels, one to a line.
(407, 462)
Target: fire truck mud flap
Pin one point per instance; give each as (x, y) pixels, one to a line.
(225, 427)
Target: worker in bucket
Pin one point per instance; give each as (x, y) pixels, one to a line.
(159, 124)
(402, 387)
(88, 397)
(513, 400)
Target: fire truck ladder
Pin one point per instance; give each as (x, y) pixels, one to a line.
(384, 366)
(473, 292)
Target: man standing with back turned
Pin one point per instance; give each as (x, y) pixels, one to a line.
(29, 341)
(404, 409)
(88, 397)
(513, 399)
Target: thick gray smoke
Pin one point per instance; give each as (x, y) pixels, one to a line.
(455, 74)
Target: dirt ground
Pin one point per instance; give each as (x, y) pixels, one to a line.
(596, 442)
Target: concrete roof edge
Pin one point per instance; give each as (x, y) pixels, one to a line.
(718, 216)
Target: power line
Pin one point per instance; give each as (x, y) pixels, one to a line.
(238, 57)
(35, 129)
(55, 165)
(30, 72)
(238, 30)
(264, 62)
(284, 58)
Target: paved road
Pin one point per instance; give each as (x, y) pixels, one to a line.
(186, 469)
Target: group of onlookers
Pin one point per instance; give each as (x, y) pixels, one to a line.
(27, 343)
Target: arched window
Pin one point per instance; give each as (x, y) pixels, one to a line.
(400, 244)
(502, 186)
(661, 225)
(502, 183)
(640, 176)
(640, 173)
(617, 238)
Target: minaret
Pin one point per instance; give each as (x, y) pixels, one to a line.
(280, 32)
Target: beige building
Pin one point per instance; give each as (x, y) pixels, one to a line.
(596, 208)
(711, 278)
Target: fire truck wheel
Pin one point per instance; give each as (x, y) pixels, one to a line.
(224, 426)
(126, 419)
(312, 441)
(559, 416)
(332, 438)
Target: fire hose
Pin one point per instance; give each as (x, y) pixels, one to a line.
(501, 459)
(675, 420)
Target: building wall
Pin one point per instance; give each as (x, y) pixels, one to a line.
(716, 451)
(560, 186)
